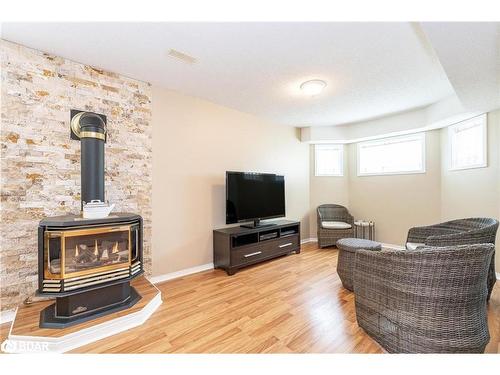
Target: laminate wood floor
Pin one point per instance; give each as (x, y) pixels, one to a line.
(28, 316)
(294, 304)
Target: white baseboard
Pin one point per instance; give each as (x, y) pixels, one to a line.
(498, 275)
(204, 267)
(307, 240)
(7, 316)
(174, 275)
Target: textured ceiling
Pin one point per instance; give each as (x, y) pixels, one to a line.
(372, 69)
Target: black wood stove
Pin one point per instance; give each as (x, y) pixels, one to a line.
(87, 264)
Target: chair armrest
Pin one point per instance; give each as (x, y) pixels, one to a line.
(350, 219)
(420, 234)
(409, 278)
(423, 300)
(319, 215)
(377, 273)
(477, 236)
(319, 218)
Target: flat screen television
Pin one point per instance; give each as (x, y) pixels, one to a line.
(253, 197)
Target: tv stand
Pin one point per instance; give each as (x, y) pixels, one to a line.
(257, 224)
(238, 247)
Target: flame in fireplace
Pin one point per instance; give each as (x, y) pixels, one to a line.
(104, 255)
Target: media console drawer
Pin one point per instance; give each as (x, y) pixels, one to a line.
(237, 247)
(264, 250)
(290, 243)
(249, 254)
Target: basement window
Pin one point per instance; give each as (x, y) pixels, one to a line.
(329, 160)
(395, 155)
(468, 144)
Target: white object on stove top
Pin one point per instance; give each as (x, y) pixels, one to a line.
(97, 209)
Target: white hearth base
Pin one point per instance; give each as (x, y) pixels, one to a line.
(88, 334)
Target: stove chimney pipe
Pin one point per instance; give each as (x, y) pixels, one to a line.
(90, 129)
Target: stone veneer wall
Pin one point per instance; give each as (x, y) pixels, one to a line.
(40, 165)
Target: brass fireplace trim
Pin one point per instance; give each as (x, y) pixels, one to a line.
(82, 232)
(76, 129)
(75, 124)
(96, 135)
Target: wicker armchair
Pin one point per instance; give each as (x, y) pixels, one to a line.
(431, 300)
(459, 232)
(333, 212)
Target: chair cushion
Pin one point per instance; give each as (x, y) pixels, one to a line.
(413, 245)
(354, 244)
(335, 225)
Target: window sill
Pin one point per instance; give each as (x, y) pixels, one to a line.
(478, 166)
(390, 173)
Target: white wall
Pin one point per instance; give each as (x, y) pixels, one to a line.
(394, 202)
(398, 202)
(194, 143)
(473, 192)
(327, 189)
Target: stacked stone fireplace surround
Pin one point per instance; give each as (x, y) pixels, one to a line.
(40, 165)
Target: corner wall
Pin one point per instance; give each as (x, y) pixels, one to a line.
(398, 202)
(40, 165)
(195, 142)
(326, 189)
(473, 192)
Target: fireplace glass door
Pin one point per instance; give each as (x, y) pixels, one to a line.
(75, 253)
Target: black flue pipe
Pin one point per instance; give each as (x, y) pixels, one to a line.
(92, 138)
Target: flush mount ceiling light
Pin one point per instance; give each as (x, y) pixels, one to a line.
(313, 87)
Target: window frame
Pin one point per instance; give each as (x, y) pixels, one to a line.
(481, 120)
(420, 136)
(333, 146)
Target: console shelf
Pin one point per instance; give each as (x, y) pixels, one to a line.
(237, 247)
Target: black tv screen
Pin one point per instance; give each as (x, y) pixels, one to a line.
(253, 196)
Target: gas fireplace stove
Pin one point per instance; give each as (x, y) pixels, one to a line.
(87, 264)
